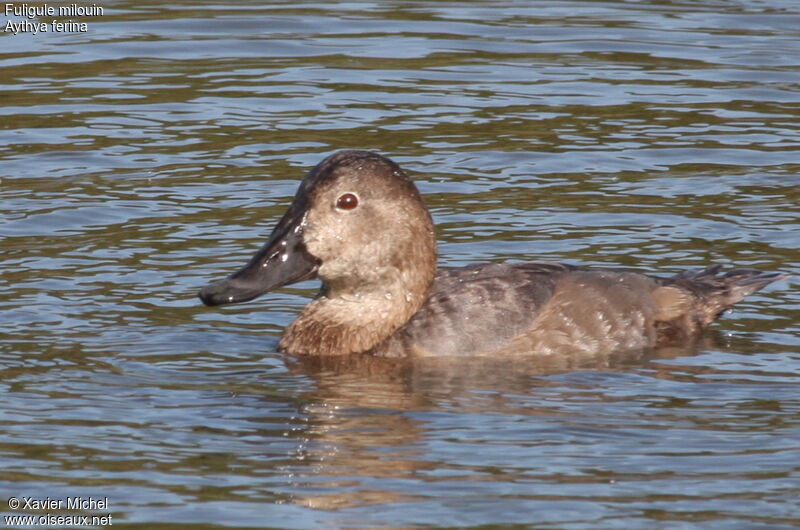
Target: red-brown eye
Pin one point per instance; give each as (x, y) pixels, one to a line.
(347, 201)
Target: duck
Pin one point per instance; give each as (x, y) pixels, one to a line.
(359, 224)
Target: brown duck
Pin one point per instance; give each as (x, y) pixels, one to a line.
(359, 224)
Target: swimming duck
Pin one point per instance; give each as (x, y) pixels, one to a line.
(359, 224)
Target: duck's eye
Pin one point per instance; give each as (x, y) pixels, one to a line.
(347, 201)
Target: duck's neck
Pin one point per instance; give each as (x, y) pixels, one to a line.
(346, 321)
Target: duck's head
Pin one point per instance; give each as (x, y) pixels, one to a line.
(357, 222)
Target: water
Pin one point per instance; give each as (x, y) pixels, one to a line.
(152, 154)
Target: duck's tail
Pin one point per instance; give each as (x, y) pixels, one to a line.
(714, 293)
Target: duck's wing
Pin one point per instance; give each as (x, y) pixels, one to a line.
(553, 308)
(480, 308)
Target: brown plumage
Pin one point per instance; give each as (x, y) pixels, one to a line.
(360, 225)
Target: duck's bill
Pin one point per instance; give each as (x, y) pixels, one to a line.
(284, 259)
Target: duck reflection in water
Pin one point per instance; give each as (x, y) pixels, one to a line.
(359, 224)
(367, 417)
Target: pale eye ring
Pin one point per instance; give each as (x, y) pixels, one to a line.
(347, 201)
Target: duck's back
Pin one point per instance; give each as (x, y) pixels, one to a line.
(553, 308)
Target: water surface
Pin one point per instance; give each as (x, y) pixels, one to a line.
(152, 153)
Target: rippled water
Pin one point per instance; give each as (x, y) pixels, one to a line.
(153, 152)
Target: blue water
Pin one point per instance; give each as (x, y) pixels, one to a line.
(153, 153)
